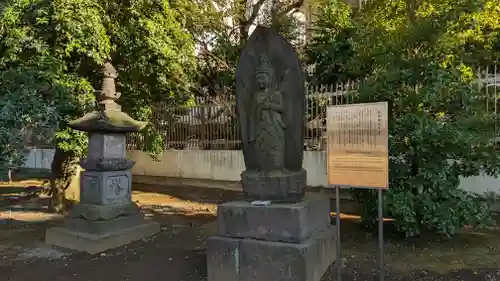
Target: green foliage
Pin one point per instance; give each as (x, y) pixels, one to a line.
(51, 53)
(422, 62)
(331, 46)
(439, 131)
(32, 99)
(221, 28)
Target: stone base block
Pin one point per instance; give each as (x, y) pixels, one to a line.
(231, 259)
(104, 212)
(95, 243)
(105, 188)
(291, 222)
(100, 227)
(286, 186)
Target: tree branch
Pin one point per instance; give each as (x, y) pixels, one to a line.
(255, 12)
(293, 6)
(209, 53)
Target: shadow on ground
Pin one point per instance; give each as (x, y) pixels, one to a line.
(177, 253)
(469, 255)
(194, 194)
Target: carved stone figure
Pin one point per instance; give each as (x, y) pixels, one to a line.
(270, 101)
(293, 241)
(268, 127)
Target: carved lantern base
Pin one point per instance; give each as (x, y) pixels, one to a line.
(106, 217)
(280, 187)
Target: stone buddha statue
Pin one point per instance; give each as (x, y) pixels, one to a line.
(270, 98)
(268, 127)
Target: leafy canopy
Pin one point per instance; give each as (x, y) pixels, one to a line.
(51, 52)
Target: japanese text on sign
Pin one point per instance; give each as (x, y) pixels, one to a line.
(358, 145)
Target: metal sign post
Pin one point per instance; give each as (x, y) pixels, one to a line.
(358, 157)
(337, 225)
(381, 235)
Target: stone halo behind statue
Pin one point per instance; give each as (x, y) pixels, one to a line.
(270, 96)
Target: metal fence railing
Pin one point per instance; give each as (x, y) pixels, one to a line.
(489, 84)
(210, 123)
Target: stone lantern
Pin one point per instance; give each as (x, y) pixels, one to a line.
(106, 216)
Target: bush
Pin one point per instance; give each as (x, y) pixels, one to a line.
(418, 59)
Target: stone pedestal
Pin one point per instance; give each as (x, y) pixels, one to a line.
(286, 242)
(117, 233)
(290, 239)
(106, 217)
(281, 186)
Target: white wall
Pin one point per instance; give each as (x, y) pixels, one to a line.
(227, 165)
(39, 158)
(223, 165)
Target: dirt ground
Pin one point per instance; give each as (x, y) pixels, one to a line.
(177, 253)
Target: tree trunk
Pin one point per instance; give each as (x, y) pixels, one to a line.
(411, 6)
(244, 30)
(64, 167)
